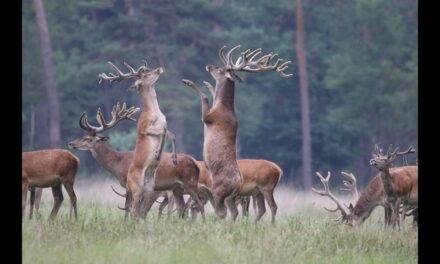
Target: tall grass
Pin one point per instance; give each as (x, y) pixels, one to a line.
(303, 235)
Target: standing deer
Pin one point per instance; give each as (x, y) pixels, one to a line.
(151, 133)
(221, 124)
(50, 168)
(372, 196)
(260, 177)
(177, 178)
(400, 185)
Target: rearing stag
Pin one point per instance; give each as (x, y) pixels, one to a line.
(221, 124)
(151, 133)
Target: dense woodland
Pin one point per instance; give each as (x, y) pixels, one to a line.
(362, 71)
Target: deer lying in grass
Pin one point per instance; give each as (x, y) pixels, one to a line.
(260, 177)
(400, 185)
(151, 133)
(372, 196)
(178, 178)
(220, 123)
(50, 168)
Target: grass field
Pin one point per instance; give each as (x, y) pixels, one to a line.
(303, 233)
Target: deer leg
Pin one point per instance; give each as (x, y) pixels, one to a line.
(268, 195)
(415, 217)
(135, 192)
(402, 215)
(38, 194)
(259, 198)
(254, 204)
(24, 191)
(31, 210)
(170, 136)
(245, 202)
(160, 132)
(197, 202)
(162, 206)
(219, 205)
(180, 202)
(230, 202)
(147, 202)
(203, 98)
(171, 202)
(58, 199)
(69, 188)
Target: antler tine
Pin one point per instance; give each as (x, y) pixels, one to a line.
(130, 68)
(118, 193)
(327, 192)
(118, 70)
(408, 151)
(222, 56)
(393, 153)
(351, 184)
(228, 58)
(84, 124)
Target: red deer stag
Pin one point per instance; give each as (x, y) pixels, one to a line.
(50, 168)
(151, 133)
(221, 124)
(371, 197)
(260, 177)
(400, 185)
(178, 178)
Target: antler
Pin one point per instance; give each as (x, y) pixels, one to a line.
(118, 193)
(326, 192)
(123, 76)
(408, 151)
(118, 114)
(351, 184)
(249, 62)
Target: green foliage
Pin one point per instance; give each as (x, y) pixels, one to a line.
(361, 59)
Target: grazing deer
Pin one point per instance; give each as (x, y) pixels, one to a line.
(400, 185)
(151, 133)
(50, 168)
(372, 196)
(178, 178)
(221, 124)
(260, 177)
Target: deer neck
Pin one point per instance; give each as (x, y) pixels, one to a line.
(108, 158)
(386, 179)
(149, 100)
(370, 198)
(224, 93)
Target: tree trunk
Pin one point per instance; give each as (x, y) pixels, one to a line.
(304, 95)
(49, 76)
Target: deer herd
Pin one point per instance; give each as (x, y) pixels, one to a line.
(148, 172)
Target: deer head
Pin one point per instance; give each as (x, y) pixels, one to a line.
(247, 62)
(89, 141)
(145, 77)
(349, 218)
(381, 161)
